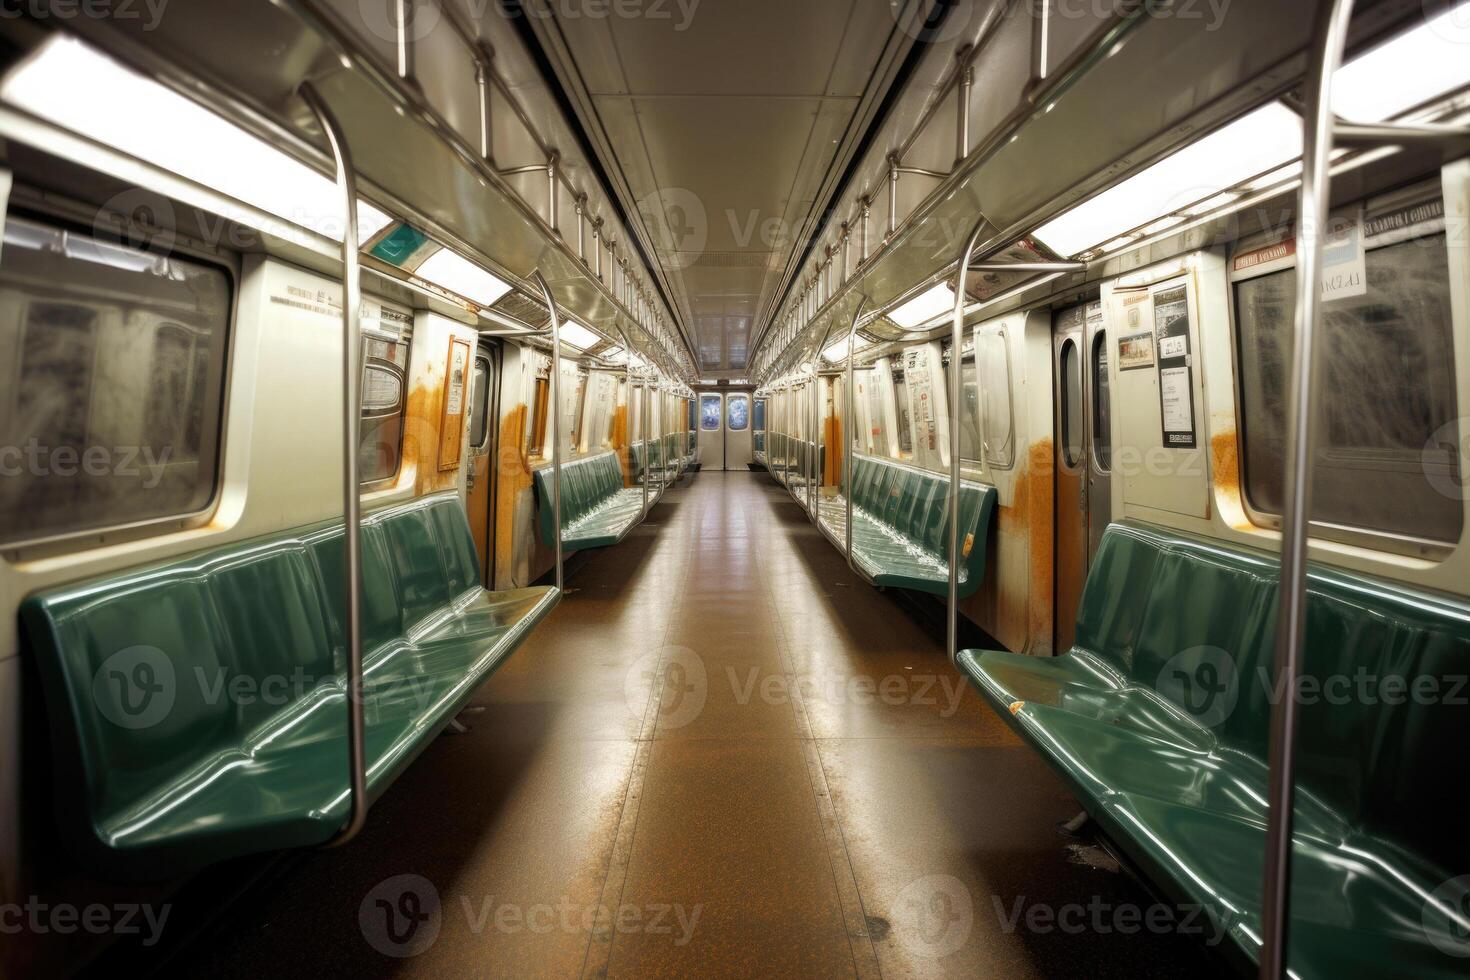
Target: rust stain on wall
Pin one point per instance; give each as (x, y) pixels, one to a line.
(1225, 471)
(421, 434)
(1031, 517)
(620, 442)
(513, 478)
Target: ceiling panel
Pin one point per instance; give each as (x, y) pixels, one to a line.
(725, 126)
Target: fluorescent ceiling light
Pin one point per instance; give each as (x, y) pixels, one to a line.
(924, 307)
(77, 87)
(370, 221)
(1406, 70)
(578, 336)
(613, 354)
(837, 350)
(1246, 147)
(449, 270)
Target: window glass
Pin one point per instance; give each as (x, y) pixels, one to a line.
(995, 389)
(112, 367)
(877, 439)
(970, 420)
(1387, 456)
(1102, 431)
(578, 409)
(693, 414)
(709, 413)
(479, 419)
(901, 401)
(380, 441)
(1071, 403)
(739, 412)
(760, 415)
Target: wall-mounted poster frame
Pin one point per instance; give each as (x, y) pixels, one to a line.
(456, 403)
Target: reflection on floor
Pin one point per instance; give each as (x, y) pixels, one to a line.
(722, 755)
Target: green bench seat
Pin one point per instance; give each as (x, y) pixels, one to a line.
(198, 708)
(900, 532)
(597, 511)
(1158, 720)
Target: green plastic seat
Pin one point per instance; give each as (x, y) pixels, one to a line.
(900, 526)
(198, 708)
(597, 511)
(1158, 720)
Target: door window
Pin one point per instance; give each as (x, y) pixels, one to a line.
(709, 413)
(1071, 419)
(738, 410)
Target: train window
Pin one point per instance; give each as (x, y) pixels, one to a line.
(738, 413)
(480, 416)
(1071, 395)
(1102, 432)
(114, 364)
(970, 420)
(709, 413)
(384, 400)
(1387, 433)
(901, 404)
(995, 388)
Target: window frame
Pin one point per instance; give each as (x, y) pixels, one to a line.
(29, 204)
(364, 362)
(1382, 541)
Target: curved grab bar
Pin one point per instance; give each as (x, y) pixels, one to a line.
(555, 325)
(956, 355)
(351, 501)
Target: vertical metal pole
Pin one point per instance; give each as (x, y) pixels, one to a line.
(556, 408)
(850, 425)
(957, 334)
(867, 219)
(485, 82)
(403, 10)
(351, 479)
(551, 196)
(582, 228)
(967, 84)
(892, 195)
(1329, 37)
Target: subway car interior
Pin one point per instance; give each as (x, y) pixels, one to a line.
(740, 488)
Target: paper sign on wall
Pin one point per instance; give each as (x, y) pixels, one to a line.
(1176, 381)
(1344, 260)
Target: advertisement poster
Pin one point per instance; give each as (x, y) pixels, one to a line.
(1136, 351)
(1176, 379)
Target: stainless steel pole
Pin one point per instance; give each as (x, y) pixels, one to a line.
(556, 409)
(957, 334)
(1329, 37)
(850, 426)
(351, 479)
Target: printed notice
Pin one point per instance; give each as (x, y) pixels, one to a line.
(1344, 260)
(456, 381)
(1176, 378)
(1178, 407)
(1136, 351)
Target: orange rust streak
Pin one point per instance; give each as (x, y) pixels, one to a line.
(513, 477)
(1033, 517)
(620, 442)
(1225, 471)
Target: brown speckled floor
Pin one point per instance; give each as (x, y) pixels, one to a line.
(722, 755)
